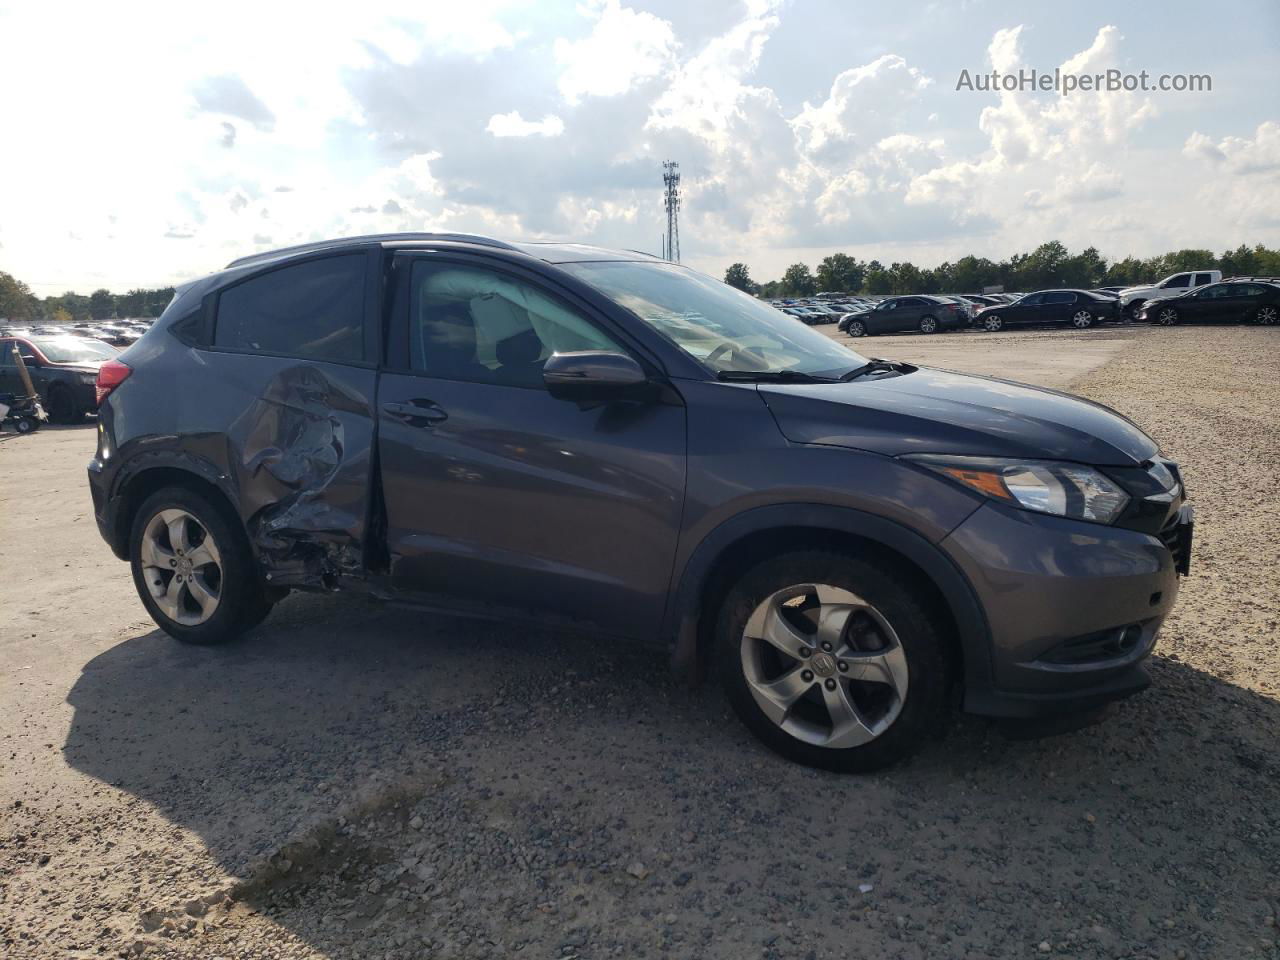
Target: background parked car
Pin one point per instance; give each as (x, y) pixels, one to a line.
(64, 371)
(1079, 308)
(1131, 298)
(899, 314)
(1230, 302)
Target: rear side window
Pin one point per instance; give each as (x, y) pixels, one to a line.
(1203, 278)
(312, 310)
(1060, 296)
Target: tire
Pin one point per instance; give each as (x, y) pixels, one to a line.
(993, 324)
(928, 325)
(1266, 316)
(26, 425)
(1165, 316)
(898, 701)
(62, 406)
(857, 328)
(1082, 319)
(239, 601)
(1131, 311)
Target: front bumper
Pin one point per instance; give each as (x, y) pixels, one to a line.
(1073, 609)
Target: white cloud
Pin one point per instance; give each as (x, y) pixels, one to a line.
(1240, 155)
(513, 125)
(624, 47)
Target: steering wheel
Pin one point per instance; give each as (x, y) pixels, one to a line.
(720, 351)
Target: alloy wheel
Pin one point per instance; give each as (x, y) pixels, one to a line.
(928, 325)
(857, 329)
(824, 665)
(1081, 319)
(1167, 317)
(1267, 315)
(992, 324)
(182, 567)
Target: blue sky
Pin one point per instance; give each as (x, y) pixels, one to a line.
(166, 143)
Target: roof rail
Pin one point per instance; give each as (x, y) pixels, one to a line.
(368, 238)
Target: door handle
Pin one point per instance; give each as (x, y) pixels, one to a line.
(421, 410)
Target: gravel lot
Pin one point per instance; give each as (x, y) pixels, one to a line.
(356, 781)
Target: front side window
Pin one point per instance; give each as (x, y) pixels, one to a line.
(718, 325)
(469, 323)
(1181, 280)
(312, 310)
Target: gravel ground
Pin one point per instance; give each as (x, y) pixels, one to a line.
(354, 781)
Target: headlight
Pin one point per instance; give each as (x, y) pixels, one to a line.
(1045, 486)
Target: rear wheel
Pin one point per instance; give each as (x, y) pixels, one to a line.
(1166, 316)
(832, 661)
(928, 325)
(193, 569)
(61, 406)
(993, 324)
(1082, 319)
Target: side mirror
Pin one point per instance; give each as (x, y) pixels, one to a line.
(593, 375)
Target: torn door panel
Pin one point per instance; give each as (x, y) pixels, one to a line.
(303, 452)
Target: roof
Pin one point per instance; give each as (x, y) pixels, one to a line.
(549, 251)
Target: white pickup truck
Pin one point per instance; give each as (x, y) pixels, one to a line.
(1131, 298)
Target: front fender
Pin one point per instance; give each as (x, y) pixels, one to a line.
(684, 612)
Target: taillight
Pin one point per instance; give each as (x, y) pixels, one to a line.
(110, 375)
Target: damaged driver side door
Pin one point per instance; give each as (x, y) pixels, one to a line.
(290, 366)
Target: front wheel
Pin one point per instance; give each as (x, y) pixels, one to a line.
(1166, 316)
(193, 569)
(857, 329)
(1266, 316)
(993, 324)
(928, 325)
(832, 661)
(1082, 319)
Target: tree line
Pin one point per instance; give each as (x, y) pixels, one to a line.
(1049, 265)
(17, 302)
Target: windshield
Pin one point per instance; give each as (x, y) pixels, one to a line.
(74, 350)
(718, 325)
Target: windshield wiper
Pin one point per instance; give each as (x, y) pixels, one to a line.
(871, 366)
(772, 376)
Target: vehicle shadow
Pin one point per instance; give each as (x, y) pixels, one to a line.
(1165, 810)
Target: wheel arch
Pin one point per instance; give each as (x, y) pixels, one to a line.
(139, 480)
(740, 542)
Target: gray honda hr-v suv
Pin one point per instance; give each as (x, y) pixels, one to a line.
(614, 442)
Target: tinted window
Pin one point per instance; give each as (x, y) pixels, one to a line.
(1181, 280)
(1249, 290)
(1060, 296)
(6, 353)
(467, 323)
(1203, 278)
(312, 310)
(1031, 300)
(1219, 290)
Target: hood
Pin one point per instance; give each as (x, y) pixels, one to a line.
(936, 411)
